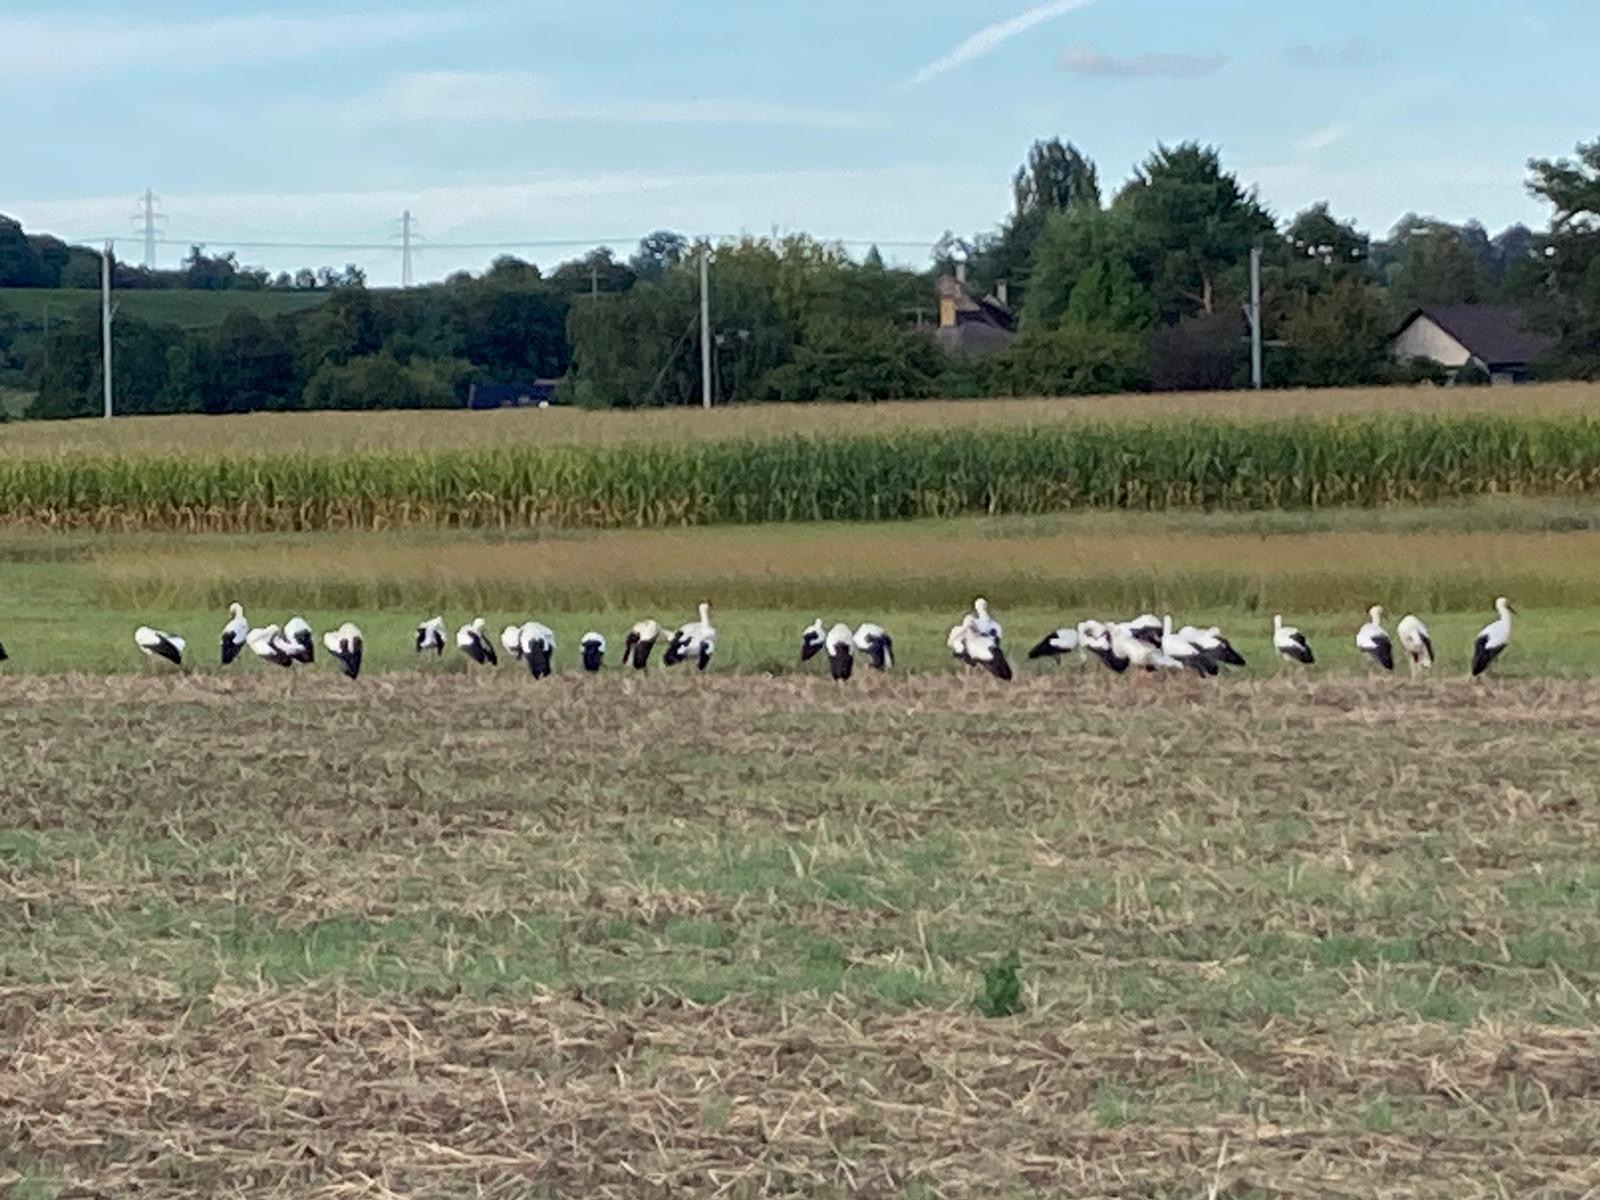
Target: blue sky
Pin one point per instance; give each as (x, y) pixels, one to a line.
(504, 123)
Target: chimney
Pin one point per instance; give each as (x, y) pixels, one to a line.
(961, 271)
(1000, 293)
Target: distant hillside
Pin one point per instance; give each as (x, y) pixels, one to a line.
(188, 309)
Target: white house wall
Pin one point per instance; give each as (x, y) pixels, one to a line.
(1424, 339)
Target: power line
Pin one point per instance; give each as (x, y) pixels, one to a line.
(149, 217)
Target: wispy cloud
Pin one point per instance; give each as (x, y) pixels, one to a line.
(38, 47)
(485, 96)
(1321, 139)
(990, 38)
(1354, 52)
(1142, 66)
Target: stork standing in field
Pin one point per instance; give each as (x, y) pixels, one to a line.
(813, 639)
(1416, 642)
(511, 640)
(430, 636)
(268, 644)
(298, 634)
(1185, 653)
(1063, 643)
(641, 640)
(1372, 639)
(473, 641)
(1095, 637)
(875, 642)
(1131, 643)
(1216, 647)
(979, 649)
(234, 633)
(1493, 638)
(592, 648)
(696, 640)
(983, 624)
(1146, 628)
(841, 647)
(1290, 643)
(345, 644)
(538, 645)
(156, 644)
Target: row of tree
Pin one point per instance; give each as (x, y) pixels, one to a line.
(1141, 290)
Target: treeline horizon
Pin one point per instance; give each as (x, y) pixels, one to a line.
(1139, 291)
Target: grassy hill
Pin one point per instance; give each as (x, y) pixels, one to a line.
(190, 309)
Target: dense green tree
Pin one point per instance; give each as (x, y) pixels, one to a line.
(1431, 262)
(19, 262)
(1336, 339)
(1316, 234)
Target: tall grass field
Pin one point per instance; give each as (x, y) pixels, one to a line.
(1213, 463)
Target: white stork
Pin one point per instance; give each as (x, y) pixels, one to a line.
(1130, 641)
(1095, 637)
(1063, 643)
(3, 654)
(1373, 640)
(1290, 643)
(268, 644)
(841, 646)
(592, 646)
(696, 640)
(982, 623)
(1218, 648)
(538, 645)
(1147, 628)
(641, 640)
(511, 640)
(1416, 642)
(473, 641)
(875, 642)
(980, 649)
(1493, 639)
(430, 636)
(234, 633)
(156, 644)
(813, 639)
(345, 644)
(1184, 652)
(298, 634)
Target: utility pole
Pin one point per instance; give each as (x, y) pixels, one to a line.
(594, 281)
(147, 214)
(405, 248)
(1253, 311)
(105, 325)
(705, 327)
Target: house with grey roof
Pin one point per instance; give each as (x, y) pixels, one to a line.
(1489, 337)
(972, 325)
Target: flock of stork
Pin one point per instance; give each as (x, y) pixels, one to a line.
(1147, 644)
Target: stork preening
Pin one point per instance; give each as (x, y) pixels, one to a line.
(1131, 642)
(1416, 642)
(430, 636)
(592, 648)
(156, 644)
(1095, 637)
(1063, 643)
(1493, 638)
(303, 642)
(813, 638)
(234, 633)
(1216, 647)
(268, 644)
(511, 640)
(982, 623)
(1146, 628)
(344, 644)
(1290, 643)
(841, 647)
(1372, 639)
(473, 641)
(696, 640)
(978, 649)
(538, 645)
(641, 640)
(1184, 652)
(875, 642)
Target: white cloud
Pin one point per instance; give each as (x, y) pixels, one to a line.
(34, 48)
(1142, 66)
(990, 38)
(474, 96)
(1321, 139)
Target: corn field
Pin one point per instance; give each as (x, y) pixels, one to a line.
(1177, 465)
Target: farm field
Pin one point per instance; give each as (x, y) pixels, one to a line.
(334, 434)
(185, 308)
(71, 601)
(439, 937)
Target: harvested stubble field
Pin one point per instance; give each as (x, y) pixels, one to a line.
(445, 937)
